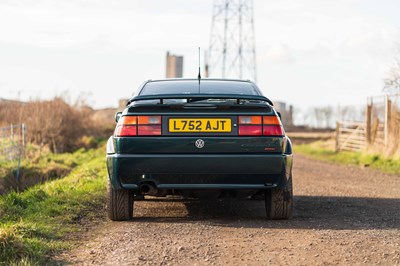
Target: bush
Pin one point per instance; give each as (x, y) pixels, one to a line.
(53, 123)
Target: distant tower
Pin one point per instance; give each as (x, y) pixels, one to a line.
(174, 66)
(232, 52)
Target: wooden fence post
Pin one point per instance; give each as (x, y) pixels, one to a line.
(12, 131)
(337, 132)
(388, 111)
(368, 118)
(24, 135)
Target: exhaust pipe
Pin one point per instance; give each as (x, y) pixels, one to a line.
(148, 189)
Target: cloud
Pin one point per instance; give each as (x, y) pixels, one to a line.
(125, 25)
(277, 54)
(307, 47)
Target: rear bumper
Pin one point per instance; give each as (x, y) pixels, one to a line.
(200, 171)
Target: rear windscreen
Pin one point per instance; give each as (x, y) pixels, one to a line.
(193, 87)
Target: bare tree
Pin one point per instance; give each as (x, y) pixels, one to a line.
(351, 113)
(392, 79)
(318, 116)
(323, 116)
(327, 114)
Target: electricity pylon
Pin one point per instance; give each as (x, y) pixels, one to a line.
(232, 52)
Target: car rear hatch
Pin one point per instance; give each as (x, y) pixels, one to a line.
(199, 124)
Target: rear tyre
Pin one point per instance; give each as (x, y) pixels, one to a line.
(279, 202)
(119, 204)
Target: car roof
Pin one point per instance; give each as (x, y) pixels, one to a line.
(197, 80)
(202, 80)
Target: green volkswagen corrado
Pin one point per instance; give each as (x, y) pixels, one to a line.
(195, 138)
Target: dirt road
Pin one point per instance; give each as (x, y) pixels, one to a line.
(342, 215)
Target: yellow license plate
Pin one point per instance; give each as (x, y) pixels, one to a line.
(200, 125)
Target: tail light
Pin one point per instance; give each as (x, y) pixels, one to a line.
(250, 126)
(129, 126)
(126, 127)
(149, 125)
(260, 126)
(272, 126)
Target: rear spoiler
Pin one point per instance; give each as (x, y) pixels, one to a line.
(161, 97)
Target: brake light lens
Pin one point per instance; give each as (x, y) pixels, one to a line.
(250, 130)
(260, 126)
(130, 126)
(273, 130)
(146, 130)
(125, 131)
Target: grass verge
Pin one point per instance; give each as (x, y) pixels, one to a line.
(323, 150)
(37, 222)
(40, 165)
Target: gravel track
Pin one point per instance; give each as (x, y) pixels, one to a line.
(342, 215)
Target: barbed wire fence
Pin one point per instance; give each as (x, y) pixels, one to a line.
(13, 144)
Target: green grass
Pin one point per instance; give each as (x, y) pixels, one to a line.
(38, 166)
(36, 223)
(319, 150)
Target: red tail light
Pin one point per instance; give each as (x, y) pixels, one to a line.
(126, 127)
(272, 126)
(129, 126)
(260, 126)
(250, 126)
(149, 125)
(145, 130)
(125, 131)
(250, 130)
(273, 130)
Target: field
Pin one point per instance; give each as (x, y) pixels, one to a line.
(324, 150)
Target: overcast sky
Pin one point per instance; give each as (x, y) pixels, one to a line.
(309, 52)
